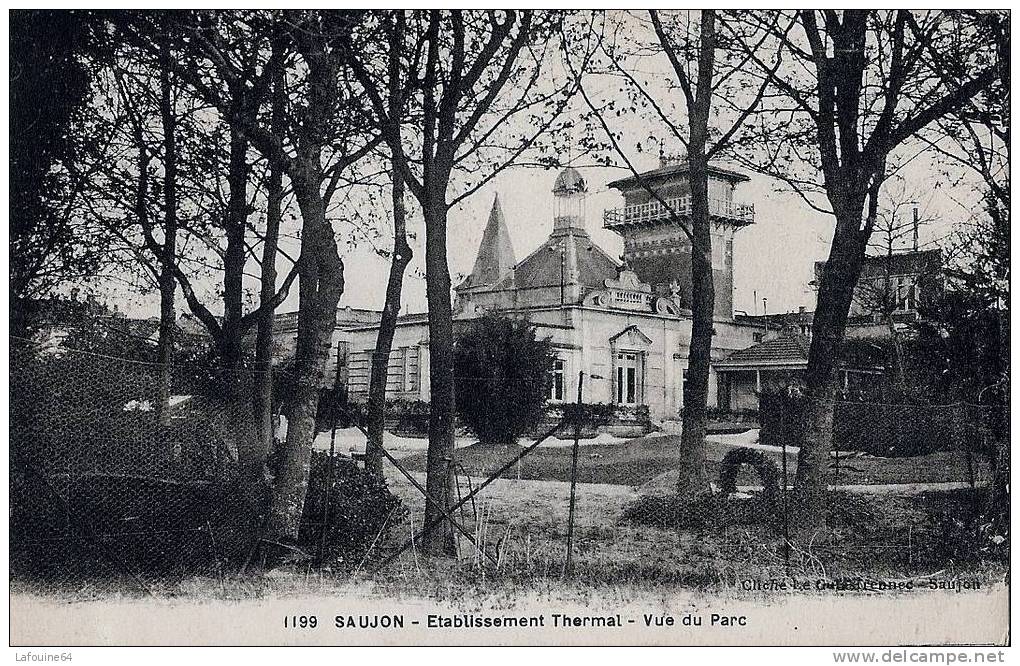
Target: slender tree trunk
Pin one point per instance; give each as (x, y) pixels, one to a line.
(888, 305)
(230, 345)
(263, 380)
(321, 275)
(167, 284)
(387, 327)
(441, 451)
(901, 376)
(693, 478)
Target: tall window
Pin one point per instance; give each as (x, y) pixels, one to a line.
(905, 293)
(411, 368)
(556, 390)
(627, 378)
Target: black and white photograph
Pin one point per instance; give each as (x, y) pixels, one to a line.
(494, 327)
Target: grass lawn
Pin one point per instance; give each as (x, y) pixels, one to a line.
(630, 536)
(641, 460)
(626, 537)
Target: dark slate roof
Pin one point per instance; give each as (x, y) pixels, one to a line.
(783, 350)
(910, 262)
(569, 181)
(673, 170)
(776, 321)
(541, 268)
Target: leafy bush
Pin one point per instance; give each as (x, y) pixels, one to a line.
(958, 528)
(103, 524)
(410, 418)
(591, 416)
(503, 376)
(360, 509)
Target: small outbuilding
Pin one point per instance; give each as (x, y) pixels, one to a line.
(780, 362)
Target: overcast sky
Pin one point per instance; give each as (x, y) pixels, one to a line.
(773, 258)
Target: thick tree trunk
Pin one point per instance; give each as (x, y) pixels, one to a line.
(693, 479)
(442, 423)
(167, 283)
(321, 285)
(387, 327)
(234, 380)
(835, 293)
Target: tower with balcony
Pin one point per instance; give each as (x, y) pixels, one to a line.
(656, 247)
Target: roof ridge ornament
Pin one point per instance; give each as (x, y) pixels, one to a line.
(627, 280)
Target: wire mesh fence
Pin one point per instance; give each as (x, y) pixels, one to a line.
(125, 475)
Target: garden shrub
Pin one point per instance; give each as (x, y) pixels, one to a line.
(591, 416)
(766, 469)
(958, 529)
(360, 508)
(503, 374)
(410, 419)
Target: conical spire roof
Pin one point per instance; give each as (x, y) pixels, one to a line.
(495, 257)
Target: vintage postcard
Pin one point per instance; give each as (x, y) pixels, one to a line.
(510, 327)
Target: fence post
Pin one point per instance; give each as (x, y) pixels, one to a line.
(332, 454)
(835, 448)
(971, 421)
(784, 432)
(568, 564)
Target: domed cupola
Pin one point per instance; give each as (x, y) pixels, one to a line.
(570, 193)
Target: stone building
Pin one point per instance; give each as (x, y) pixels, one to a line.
(625, 325)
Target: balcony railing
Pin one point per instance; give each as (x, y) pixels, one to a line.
(653, 211)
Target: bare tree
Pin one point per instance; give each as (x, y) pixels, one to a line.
(318, 131)
(706, 74)
(168, 250)
(399, 259)
(228, 65)
(465, 75)
(859, 87)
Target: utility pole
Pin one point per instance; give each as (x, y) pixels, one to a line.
(568, 565)
(917, 223)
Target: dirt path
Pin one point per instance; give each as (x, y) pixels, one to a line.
(890, 488)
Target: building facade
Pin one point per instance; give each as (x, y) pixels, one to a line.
(893, 290)
(626, 326)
